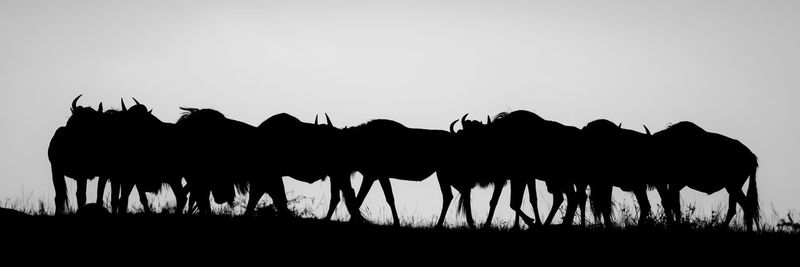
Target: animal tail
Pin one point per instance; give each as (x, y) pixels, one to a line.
(752, 197)
(600, 201)
(462, 201)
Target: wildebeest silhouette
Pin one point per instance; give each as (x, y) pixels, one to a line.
(149, 149)
(219, 156)
(706, 162)
(521, 147)
(615, 156)
(381, 149)
(472, 163)
(74, 153)
(306, 152)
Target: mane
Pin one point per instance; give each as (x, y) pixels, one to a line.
(686, 126)
(602, 123)
(383, 122)
(282, 118)
(515, 114)
(500, 115)
(194, 112)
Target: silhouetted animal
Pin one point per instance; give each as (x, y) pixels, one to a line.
(382, 149)
(617, 157)
(472, 163)
(219, 156)
(74, 153)
(150, 149)
(305, 152)
(521, 146)
(706, 162)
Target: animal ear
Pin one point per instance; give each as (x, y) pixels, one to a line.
(122, 101)
(620, 125)
(328, 119)
(100, 108)
(151, 111)
(488, 119)
(315, 119)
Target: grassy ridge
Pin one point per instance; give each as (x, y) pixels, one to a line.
(303, 237)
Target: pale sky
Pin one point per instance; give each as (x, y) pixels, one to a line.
(729, 66)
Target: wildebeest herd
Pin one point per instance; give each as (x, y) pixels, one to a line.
(204, 154)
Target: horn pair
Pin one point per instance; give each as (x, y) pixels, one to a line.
(122, 102)
(75, 103)
(453, 124)
(316, 121)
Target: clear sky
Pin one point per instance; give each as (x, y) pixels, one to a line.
(730, 66)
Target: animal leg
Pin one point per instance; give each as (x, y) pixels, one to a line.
(735, 196)
(644, 204)
(517, 193)
(581, 196)
(558, 198)
(387, 192)
(61, 190)
(572, 204)
(180, 194)
(346, 188)
(366, 184)
(447, 197)
(143, 200)
(256, 192)
(124, 196)
(533, 199)
(277, 192)
(81, 192)
(115, 188)
(334, 199)
(498, 189)
(101, 189)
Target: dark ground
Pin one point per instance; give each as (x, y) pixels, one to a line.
(267, 239)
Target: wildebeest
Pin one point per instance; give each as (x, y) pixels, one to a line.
(473, 163)
(617, 157)
(306, 152)
(381, 149)
(74, 153)
(522, 147)
(218, 155)
(149, 149)
(706, 162)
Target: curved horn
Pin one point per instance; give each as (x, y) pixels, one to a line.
(150, 111)
(646, 130)
(453, 124)
(464, 118)
(134, 100)
(488, 119)
(328, 119)
(620, 125)
(100, 108)
(122, 101)
(75, 102)
(315, 119)
(189, 109)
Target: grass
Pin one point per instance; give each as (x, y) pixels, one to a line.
(227, 232)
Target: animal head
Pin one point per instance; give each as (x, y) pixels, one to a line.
(83, 116)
